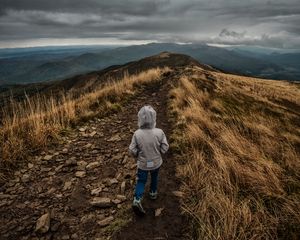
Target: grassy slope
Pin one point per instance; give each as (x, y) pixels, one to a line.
(30, 125)
(239, 138)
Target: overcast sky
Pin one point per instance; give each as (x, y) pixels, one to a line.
(272, 23)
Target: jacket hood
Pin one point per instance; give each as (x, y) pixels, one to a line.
(147, 117)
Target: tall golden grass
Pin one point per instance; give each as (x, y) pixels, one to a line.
(30, 125)
(240, 161)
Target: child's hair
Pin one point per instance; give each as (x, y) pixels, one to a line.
(147, 117)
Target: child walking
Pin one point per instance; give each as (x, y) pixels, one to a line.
(147, 145)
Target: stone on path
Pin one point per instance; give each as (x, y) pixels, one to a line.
(122, 198)
(105, 221)
(92, 165)
(67, 185)
(133, 166)
(71, 161)
(30, 165)
(116, 201)
(115, 138)
(123, 186)
(112, 181)
(125, 160)
(65, 150)
(25, 178)
(92, 134)
(101, 202)
(48, 157)
(81, 165)
(82, 129)
(178, 194)
(96, 191)
(158, 211)
(80, 174)
(43, 223)
(88, 145)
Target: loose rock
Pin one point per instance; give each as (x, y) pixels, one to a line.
(81, 165)
(105, 221)
(80, 174)
(101, 202)
(123, 186)
(65, 150)
(115, 138)
(116, 201)
(88, 145)
(82, 129)
(96, 191)
(48, 157)
(92, 165)
(30, 165)
(25, 178)
(71, 162)
(178, 194)
(93, 133)
(112, 181)
(122, 198)
(43, 223)
(67, 185)
(158, 211)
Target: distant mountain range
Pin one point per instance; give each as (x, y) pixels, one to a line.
(45, 64)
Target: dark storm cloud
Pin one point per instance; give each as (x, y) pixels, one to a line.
(260, 22)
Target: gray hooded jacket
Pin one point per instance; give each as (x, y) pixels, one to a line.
(148, 142)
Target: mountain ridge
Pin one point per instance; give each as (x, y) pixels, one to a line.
(227, 60)
(95, 78)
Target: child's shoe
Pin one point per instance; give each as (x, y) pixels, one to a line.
(137, 207)
(153, 195)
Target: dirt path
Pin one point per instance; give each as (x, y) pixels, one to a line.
(85, 185)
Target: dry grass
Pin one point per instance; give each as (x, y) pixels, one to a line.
(30, 125)
(242, 178)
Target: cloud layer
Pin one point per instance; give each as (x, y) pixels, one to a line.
(273, 23)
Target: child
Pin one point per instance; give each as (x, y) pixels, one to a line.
(148, 142)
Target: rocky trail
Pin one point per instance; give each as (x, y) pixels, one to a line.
(83, 188)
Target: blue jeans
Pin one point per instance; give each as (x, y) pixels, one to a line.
(142, 176)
